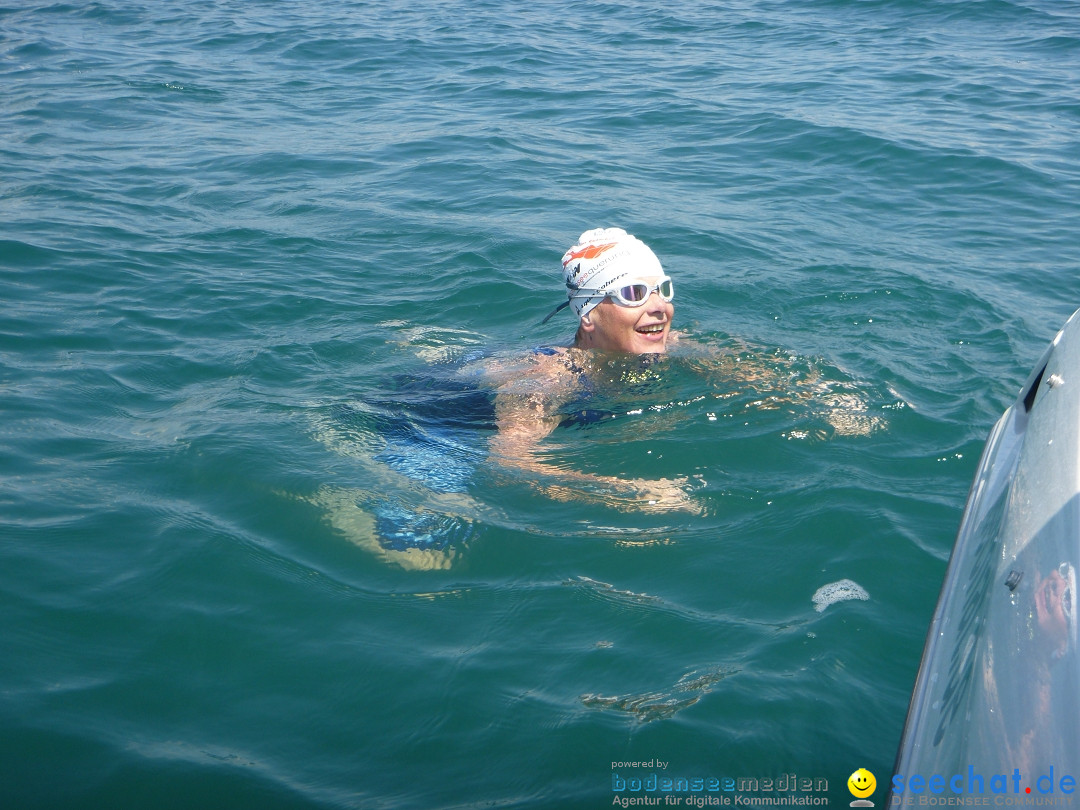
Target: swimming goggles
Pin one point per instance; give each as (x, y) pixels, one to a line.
(634, 294)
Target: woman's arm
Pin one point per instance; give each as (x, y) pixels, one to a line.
(526, 411)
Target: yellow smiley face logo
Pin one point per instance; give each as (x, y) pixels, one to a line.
(861, 783)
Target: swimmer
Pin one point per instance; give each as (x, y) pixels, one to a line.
(419, 444)
(622, 298)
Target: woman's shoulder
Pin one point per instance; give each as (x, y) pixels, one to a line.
(538, 366)
(548, 351)
(557, 362)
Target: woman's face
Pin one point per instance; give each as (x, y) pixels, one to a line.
(634, 330)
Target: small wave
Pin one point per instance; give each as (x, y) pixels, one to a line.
(609, 591)
(645, 707)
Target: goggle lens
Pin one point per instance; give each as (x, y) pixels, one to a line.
(636, 294)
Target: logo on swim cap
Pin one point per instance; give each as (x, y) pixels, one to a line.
(587, 252)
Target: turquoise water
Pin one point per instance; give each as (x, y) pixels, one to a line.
(223, 223)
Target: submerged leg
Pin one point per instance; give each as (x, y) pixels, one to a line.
(399, 528)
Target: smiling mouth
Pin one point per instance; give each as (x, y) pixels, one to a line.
(652, 329)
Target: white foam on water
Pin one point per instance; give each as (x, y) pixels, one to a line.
(840, 591)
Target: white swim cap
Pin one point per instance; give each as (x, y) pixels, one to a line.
(602, 257)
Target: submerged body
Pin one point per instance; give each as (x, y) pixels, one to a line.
(426, 438)
(431, 447)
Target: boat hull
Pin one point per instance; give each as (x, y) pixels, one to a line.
(995, 710)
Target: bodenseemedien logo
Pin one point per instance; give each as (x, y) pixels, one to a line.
(862, 785)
